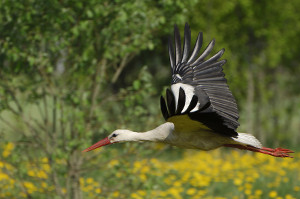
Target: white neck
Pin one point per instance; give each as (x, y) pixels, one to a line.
(159, 134)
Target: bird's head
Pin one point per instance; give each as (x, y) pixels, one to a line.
(115, 137)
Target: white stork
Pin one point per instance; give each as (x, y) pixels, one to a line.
(200, 110)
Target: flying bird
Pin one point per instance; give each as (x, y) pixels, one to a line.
(199, 109)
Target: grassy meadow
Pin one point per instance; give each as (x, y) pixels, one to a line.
(218, 174)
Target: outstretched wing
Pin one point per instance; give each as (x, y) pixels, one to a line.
(199, 88)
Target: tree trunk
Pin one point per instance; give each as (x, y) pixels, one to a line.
(74, 176)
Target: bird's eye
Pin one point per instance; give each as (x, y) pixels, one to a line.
(114, 135)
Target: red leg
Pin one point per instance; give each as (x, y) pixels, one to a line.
(278, 152)
(277, 149)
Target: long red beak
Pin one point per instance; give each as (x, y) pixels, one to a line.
(101, 143)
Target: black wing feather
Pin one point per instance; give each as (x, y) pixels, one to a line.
(171, 54)
(170, 102)
(197, 48)
(192, 105)
(163, 108)
(187, 44)
(181, 101)
(177, 45)
(206, 52)
(211, 60)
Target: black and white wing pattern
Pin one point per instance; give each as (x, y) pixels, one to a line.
(199, 88)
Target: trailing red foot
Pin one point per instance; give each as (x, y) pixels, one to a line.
(278, 152)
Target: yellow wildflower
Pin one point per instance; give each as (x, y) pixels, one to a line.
(9, 146)
(173, 191)
(296, 188)
(31, 173)
(289, 196)
(98, 190)
(89, 180)
(81, 181)
(248, 191)
(145, 169)
(248, 186)
(3, 176)
(177, 183)
(87, 188)
(116, 194)
(7, 149)
(30, 187)
(141, 192)
(272, 194)
(113, 163)
(46, 167)
(258, 192)
(191, 191)
(143, 177)
(44, 184)
(45, 160)
(5, 153)
(136, 196)
(42, 174)
(237, 181)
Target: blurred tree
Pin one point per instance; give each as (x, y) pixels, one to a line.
(61, 63)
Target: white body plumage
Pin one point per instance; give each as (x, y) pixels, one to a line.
(202, 139)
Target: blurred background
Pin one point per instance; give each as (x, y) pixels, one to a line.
(73, 71)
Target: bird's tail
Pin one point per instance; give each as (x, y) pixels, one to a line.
(247, 139)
